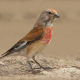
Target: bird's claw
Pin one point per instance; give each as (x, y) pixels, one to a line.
(34, 71)
(46, 68)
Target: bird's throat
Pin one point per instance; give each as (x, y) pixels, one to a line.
(49, 24)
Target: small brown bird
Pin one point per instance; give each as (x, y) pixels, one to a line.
(36, 39)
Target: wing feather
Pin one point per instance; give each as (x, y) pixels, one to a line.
(19, 45)
(33, 35)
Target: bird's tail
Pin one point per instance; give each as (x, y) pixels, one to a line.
(4, 55)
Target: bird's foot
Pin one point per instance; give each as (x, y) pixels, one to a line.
(34, 71)
(45, 68)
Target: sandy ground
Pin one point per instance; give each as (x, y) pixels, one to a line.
(18, 69)
(17, 18)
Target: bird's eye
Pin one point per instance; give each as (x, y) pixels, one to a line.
(49, 12)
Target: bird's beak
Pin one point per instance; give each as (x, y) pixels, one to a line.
(57, 16)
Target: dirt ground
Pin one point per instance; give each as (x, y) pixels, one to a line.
(18, 69)
(17, 18)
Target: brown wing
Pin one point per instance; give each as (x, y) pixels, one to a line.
(33, 35)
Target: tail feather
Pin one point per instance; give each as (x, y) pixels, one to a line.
(4, 54)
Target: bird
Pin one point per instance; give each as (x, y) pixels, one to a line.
(37, 39)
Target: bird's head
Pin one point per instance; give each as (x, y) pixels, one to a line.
(47, 17)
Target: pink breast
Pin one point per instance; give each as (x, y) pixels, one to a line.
(47, 36)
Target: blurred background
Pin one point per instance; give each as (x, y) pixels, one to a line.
(17, 18)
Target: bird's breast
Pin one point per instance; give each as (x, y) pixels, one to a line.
(47, 35)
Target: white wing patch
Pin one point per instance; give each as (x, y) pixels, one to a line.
(21, 46)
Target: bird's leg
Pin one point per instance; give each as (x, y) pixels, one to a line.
(29, 64)
(33, 57)
(32, 68)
